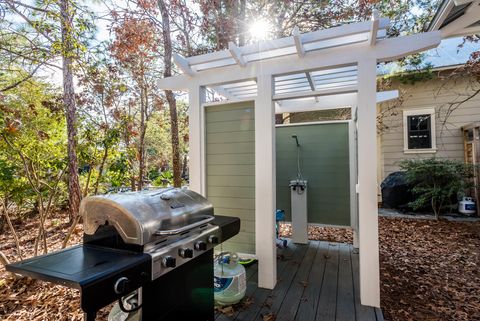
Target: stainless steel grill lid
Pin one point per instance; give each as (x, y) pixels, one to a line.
(139, 216)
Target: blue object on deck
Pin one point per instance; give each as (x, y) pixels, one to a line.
(279, 217)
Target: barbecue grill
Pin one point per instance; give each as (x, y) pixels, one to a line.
(158, 243)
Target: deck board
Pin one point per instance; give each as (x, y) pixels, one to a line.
(345, 300)
(362, 312)
(318, 281)
(276, 297)
(288, 310)
(309, 303)
(327, 304)
(260, 295)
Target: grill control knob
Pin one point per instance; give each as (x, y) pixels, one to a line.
(186, 253)
(121, 285)
(200, 246)
(169, 262)
(213, 239)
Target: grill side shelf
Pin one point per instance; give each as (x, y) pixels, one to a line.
(77, 266)
(230, 226)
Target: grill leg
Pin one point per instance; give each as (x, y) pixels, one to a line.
(89, 316)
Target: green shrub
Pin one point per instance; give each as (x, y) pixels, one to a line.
(164, 179)
(435, 181)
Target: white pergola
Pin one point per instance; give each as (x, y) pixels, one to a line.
(324, 69)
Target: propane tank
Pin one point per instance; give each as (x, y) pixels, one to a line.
(467, 206)
(116, 314)
(229, 279)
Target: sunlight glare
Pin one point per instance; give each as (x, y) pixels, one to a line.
(259, 30)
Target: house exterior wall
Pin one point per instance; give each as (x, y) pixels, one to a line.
(435, 93)
(230, 172)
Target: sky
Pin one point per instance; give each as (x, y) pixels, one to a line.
(448, 53)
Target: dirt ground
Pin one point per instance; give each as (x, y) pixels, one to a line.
(430, 270)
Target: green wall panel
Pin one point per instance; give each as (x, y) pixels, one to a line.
(230, 168)
(324, 163)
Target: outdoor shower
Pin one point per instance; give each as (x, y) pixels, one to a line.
(298, 197)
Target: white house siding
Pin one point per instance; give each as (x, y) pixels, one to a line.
(435, 93)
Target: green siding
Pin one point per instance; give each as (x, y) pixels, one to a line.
(324, 163)
(230, 152)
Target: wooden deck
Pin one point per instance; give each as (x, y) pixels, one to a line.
(318, 281)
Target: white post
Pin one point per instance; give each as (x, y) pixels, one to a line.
(265, 202)
(367, 183)
(352, 141)
(196, 158)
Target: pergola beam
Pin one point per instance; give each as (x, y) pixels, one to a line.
(385, 50)
(337, 90)
(224, 93)
(395, 48)
(236, 54)
(310, 37)
(183, 64)
(328, 102)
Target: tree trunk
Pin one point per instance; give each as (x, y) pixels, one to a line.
(172, 103)
(12, 228)
(3, 259)
(100, 170)
(141, 143)
(74, 191)
(87, 184)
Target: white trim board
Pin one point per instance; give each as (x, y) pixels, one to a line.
(328, 102)
(226, 102)
(314, 123)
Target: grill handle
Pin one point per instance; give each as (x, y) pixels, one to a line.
(176, 231)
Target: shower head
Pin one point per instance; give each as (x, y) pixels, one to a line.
(296, 139)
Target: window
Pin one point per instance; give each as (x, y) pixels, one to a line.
(419, 131)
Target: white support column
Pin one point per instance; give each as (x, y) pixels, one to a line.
(265, 202)
(196, 126)
(352, 141)
(367, 183)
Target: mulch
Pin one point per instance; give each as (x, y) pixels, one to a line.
(430, 270)
(24, 299)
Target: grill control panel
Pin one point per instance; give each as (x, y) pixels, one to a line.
(197, 242)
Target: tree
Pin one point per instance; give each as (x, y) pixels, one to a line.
(172, 103)
(51, 30)
(135, 47)
(33, 137)
(68, 54)
(100, 107)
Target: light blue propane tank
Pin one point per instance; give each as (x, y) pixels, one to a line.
(229, 279)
